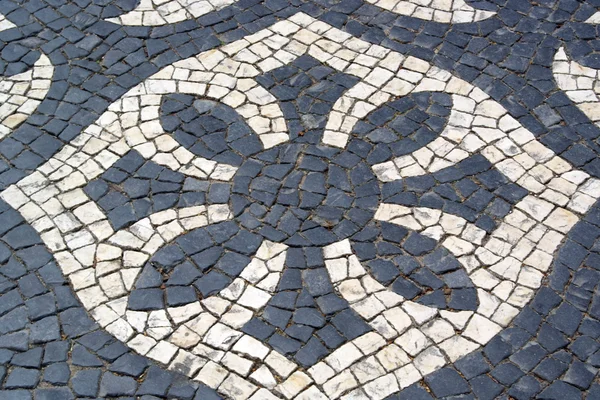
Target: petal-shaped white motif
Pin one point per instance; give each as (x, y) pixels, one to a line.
(204, 339)
(160, 12)
(21, 94)
(446, 11)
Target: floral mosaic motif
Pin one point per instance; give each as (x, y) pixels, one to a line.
(117, 267)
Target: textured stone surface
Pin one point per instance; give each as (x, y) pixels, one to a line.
(302, 199)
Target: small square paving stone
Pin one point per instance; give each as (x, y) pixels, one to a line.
(497, 350)
(129, 364)
(54, 393)
(22, 378)
(82, 357)
(114, 385)
(526, 387)
(506, 373)
(529, 356)
(580, 374)
(156, 383)
(485, 387)
(30, 359)
(57, 374)
(447, 382)
(550, 369)
(86, 382)
(560, 389)
(472, 365)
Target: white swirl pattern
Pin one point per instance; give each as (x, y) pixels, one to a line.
(204, 339)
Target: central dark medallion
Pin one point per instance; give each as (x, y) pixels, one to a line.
(305, 195)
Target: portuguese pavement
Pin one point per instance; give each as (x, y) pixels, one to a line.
(299, 199)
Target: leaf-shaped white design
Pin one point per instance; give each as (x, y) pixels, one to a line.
(160, 12)
(21, 94)
(204, 339)
(446, 11)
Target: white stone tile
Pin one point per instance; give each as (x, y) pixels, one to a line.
(429, 360)
(481, 329)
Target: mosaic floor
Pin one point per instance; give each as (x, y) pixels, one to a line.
(299, 199)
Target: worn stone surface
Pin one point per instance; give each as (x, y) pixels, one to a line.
(299, 199)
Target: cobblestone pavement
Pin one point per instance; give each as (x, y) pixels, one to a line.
(317, 199)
